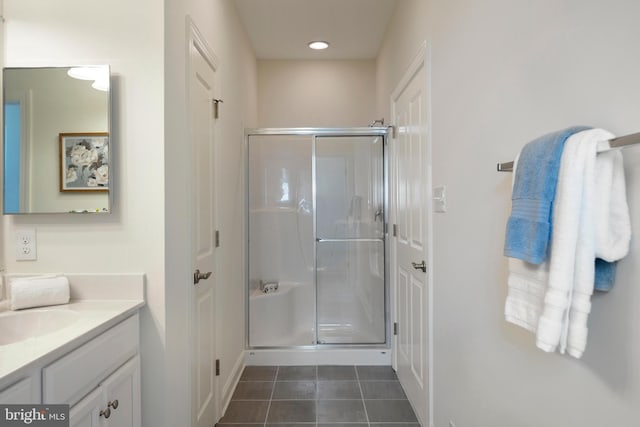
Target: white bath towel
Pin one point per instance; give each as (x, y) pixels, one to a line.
(567, 216)
(610, 227)
(577, 223)
(527, 285)
(38, 291)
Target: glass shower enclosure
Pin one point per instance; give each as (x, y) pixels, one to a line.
(316, 237)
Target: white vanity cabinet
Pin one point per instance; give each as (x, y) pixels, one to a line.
(100, 380)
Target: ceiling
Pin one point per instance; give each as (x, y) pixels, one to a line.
(281, 29)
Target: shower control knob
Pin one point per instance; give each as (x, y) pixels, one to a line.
(420, 266)
(197, 276)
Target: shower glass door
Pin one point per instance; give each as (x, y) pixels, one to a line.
(281, 246)
(349, 220)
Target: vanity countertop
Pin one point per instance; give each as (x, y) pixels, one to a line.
(92, 316)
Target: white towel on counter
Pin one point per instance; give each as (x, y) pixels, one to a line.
(580, 226)
(38, 291)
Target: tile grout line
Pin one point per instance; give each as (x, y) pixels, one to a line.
(366, 414)
(273, 389)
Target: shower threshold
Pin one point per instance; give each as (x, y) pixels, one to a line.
(318, 355)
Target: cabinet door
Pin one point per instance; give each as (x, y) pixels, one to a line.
(115, 403)
(122, 393)
(24, 391)
(86, 412)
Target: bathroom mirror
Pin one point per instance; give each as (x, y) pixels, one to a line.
(56, 140)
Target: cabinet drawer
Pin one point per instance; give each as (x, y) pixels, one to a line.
(74, 375)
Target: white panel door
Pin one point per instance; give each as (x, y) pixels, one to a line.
(202, 131)
(410, 184)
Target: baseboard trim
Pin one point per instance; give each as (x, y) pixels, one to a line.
(232, 382)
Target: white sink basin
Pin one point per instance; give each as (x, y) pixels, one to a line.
(21, 325)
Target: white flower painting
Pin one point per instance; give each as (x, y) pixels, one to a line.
(84, 161)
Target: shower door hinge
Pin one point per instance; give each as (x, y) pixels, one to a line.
(395, 328)
(395, 230)
(217, 367)
(217, 238)
(216, 105)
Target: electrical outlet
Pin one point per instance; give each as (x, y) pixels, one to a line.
(26, 244)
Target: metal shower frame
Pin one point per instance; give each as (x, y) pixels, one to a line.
(373, 131)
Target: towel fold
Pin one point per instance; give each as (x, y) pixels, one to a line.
(38, 291)
(529, 226)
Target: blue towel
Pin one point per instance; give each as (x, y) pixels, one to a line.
(534, 188)
(605, 275)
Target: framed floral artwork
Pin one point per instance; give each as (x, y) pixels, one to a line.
(84, 161)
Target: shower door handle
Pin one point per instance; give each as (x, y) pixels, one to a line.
(197, 276)
(420, 266)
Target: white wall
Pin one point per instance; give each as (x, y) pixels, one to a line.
(308, 93)
(503, 73)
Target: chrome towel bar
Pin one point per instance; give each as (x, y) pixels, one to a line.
(619, 142)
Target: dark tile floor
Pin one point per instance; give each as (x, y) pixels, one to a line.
(322, 396)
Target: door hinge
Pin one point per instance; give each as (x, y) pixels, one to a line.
(217, 238)
(395, 328)
(216, 107)
(395, 230)
(217, 367)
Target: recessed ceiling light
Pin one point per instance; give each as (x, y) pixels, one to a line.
(318, 45)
